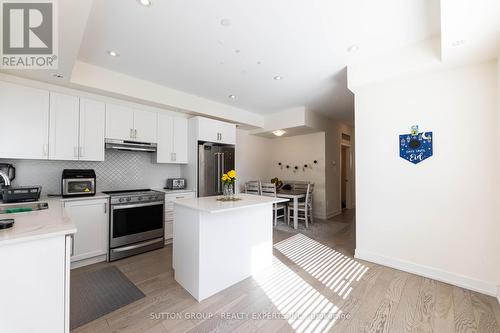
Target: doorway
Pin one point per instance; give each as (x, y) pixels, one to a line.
(345, 177)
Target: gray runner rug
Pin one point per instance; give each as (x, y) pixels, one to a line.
(96, 293)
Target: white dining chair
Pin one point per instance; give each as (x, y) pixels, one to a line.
(252, 187)
(269, 190)
(304, 209)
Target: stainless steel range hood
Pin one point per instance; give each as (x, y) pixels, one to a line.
(130, 145)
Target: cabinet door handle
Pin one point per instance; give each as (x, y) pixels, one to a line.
(105, 208)
(135, 134)
(175, 157)
(131, 133)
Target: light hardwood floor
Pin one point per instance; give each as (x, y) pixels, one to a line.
(315, 280)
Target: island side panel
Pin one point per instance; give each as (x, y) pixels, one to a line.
(233, 246)
(33, 285)
(186, 248)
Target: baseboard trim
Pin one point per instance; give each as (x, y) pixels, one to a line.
(89, 261)
(333, 214)
(430, 272)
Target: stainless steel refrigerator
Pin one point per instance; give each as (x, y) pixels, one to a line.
(213, 161)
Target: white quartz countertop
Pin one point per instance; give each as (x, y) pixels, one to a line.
(38, 224)
(98, 195)
(211, 205)
(165, 190)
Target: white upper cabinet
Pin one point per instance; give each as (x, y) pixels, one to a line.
(24, 113)
(76, 128)
(124, 123)
(64, 129)
(172, 140)
(216, 131)
(119, 122)
(145, 124)
(92, 120)
(180, 140)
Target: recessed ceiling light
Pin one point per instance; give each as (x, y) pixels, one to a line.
(279, 132)
(277, 78)
(113, 53)
(145, 3)
(231, 97)
(459, 42)
(57, 75)
(225, 22)
(353, 48)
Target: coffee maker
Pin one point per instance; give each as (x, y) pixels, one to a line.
(9, 171)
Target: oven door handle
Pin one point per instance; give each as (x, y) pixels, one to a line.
(136, 246)
(125, 206)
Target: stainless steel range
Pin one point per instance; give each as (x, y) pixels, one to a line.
(136, 222)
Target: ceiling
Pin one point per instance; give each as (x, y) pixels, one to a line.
(214, 49)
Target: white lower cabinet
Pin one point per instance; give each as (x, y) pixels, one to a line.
(170, 198)
(91, 219)
(35, 285)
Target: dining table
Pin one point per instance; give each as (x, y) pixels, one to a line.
(294, 196)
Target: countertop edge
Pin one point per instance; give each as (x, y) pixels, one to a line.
(67, 230)
(222, 210)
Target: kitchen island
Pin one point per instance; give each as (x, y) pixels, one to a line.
(219, 243)
(35, 258)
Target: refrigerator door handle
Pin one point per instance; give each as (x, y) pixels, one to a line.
(223, 166)
(218, 172)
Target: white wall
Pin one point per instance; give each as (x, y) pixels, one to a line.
(298, 151)
(439, 218)
(257, 159)
(253, 154)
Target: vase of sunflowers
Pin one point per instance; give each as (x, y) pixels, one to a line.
(228, 180)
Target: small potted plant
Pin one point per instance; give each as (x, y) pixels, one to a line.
(228, 180)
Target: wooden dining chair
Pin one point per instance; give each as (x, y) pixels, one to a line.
(300, 185)
(252, 187)
(304, 209)
(269, 190)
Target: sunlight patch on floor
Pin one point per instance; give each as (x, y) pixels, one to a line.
(305, 309)
(332, 268)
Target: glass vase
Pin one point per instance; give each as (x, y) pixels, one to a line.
(228, 191)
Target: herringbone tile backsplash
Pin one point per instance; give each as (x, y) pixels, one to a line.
(120, 170)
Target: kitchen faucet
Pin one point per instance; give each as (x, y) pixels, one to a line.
(6, 179)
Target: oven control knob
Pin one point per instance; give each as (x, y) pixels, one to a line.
(139, 199)
(120, 200)
(151, 197)
(128, 199)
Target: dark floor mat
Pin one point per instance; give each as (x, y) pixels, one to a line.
(96, 293)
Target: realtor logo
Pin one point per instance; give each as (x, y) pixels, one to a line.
(29, 34)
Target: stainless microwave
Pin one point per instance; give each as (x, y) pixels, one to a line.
(78, 182)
